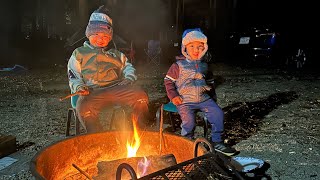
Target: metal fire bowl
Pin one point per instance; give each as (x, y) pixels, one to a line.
(85, 151)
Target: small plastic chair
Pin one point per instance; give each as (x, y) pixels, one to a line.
(72, 115)
(129, 52)
(170, 108)
(153, 52)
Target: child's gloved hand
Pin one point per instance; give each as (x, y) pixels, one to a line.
(125, 82)
(83, 91)
(176, 100)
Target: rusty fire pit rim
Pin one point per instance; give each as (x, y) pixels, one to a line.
(33, 162)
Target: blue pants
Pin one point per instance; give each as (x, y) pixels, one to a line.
(213, 113)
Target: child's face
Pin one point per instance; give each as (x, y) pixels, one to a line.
(100, 39)
(194, 49)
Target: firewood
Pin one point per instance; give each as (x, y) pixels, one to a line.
(108, 169)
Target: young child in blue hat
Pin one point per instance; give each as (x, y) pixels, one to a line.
(187, 87)
(103, 76)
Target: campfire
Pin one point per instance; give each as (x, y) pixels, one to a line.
(98, 155)
(141, 165)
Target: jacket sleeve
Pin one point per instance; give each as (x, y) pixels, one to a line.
(129, 72)
(74, 73)
(170, 79)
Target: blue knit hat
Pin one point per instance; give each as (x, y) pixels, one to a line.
(99, 22)
(191, 35)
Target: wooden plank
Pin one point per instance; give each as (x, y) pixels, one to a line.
(8, 145)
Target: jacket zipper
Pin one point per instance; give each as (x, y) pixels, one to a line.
(197, 88)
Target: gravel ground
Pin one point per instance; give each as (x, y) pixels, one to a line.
(287, 136)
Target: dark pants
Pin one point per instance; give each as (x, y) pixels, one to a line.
(212, 111)
(89, 107)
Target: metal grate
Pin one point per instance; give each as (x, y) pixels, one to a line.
(213, 165)
(208, 166)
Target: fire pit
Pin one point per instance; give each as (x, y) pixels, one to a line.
(58, 161)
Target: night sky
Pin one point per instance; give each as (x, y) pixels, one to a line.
(143, 20)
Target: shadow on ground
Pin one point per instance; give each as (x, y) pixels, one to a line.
(242, 119)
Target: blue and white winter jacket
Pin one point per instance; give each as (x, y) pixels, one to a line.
(94, 67)
(187, 79)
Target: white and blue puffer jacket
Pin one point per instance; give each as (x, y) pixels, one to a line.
(96, 67)
(191, 84)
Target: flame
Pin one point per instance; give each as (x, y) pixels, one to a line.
(143, 166)
(133, 147)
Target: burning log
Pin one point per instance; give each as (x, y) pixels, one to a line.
(141, 165)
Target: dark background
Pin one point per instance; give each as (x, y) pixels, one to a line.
(37, 33)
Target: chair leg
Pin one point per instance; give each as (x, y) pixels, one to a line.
(173, 123)
(116, 123)
(205, 127)
(69, 116)
(158, 116)
(160, 112)
(77, 123)
(72, 114)
(112, 120)
(125, 120)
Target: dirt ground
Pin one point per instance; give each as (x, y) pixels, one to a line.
(271, 114)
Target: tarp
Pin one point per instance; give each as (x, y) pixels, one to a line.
(15, 68)
(6, 161)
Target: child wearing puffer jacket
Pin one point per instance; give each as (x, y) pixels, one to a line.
(188, 88)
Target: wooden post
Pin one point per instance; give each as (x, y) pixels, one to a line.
(83, 11)
(214, 14)
(177, 16)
